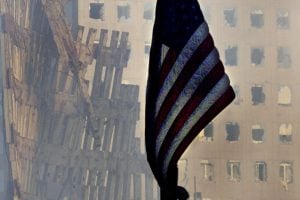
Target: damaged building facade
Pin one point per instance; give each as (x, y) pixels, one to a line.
(251, 151)
(71, 114)
(74, 76)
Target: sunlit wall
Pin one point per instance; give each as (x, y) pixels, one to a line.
(250, 150)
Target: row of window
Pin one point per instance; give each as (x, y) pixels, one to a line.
(260, 171)
(284, 95)
(123, 11)
(285, 134)
(230, 16)
(256, 18)
(257, 56)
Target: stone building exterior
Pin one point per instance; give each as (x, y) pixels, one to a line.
(250, 151)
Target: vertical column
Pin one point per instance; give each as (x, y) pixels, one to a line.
(117, 82)
(108, 135)
(93, 184)
(119, 187)
(98, 139)
(99, 64)
(69, 136)
(3, 159)
(101, 187)
(118, 136)
(127, 135)
(60, 127)
(149, 187)
(111, 183)
(126, 186)
(137, 182)
(86, 192)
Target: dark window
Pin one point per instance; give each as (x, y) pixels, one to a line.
(197, 196)
(283, 20)
(233, 132)
(257, 18)
(123, 12)
(258, 95)
(149, 11)
(147, 49)
(257, 134)
(285, 138)
(97, 10)
(257, 56)
(261, 171)
(231, 56)
(283, 57)
(207, 134)
(285, 133)
(230, 17)
(208, 130)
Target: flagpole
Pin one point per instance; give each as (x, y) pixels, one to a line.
(170, 190)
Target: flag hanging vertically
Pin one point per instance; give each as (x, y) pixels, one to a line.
(187, 87)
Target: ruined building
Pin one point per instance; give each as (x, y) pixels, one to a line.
(69, 116)
(73, 122)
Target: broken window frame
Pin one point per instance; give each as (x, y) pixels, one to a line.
(257, 18)
(182, 171)
(236, 136)
(283, 19)
(207, 170)
(207, 134)
(255, 59)
(257, 127)
(261, 176)
(231, 56)
(234, 170)
(101, 10)
(125, 15)
(286, 173)
(286, 133)
(258, 100)
(230, 18)
(238, 99)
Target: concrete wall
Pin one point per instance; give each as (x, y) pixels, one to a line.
(269, 114)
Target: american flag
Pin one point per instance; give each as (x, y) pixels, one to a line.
(187, 86)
